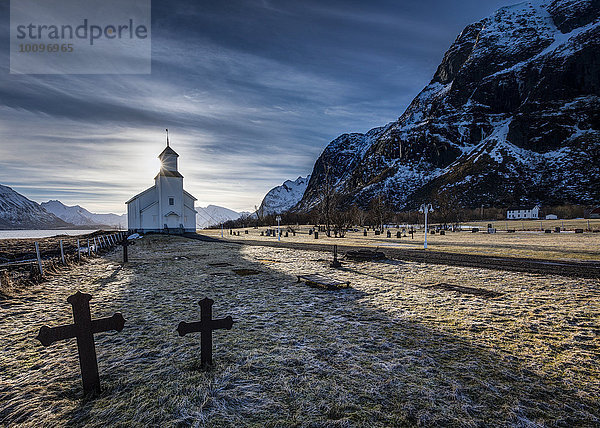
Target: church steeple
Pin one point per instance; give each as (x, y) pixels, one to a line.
(168, 159)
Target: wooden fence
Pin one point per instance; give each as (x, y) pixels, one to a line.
(93, 246)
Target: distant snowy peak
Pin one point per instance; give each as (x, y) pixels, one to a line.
(18, 212)
(79, 216)
(214, 215)
(284, 197)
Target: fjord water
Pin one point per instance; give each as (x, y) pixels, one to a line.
(25, 234)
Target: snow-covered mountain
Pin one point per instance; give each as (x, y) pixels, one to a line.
(81, 217)
(214, 215)
(512, 114)
(18, 212)
(284, 197)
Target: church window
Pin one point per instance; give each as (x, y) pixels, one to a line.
(171, 201)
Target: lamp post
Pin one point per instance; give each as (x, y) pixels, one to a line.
(278, 218)
(426, 208)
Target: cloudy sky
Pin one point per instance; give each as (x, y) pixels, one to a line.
(251, 91)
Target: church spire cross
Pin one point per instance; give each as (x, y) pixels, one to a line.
(167, 137)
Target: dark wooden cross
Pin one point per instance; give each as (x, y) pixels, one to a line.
(83, 329)
(205, 326)
(126, 243)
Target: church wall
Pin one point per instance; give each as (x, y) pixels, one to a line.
(189, 218)
(150, 218)
(171, 187)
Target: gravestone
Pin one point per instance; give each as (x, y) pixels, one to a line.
(547, 231)
(316, 235)
(286, 234)
(205, 327)
(398, 234)
(475, 230)
(389, 234)
(262, 233)
(557, 229)
(377, 232)
(365, 233)
(293, 233)
(336, 263)
(433, 231)
(310, 231)
(578, 230)
(83, 329)
(245, 232)
(442, 232)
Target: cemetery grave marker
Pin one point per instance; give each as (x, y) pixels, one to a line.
(245, 272)
(336, 263)
(205, 327)
(317, 280)
(365, 255)
(83, 329)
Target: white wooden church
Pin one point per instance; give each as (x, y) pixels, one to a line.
(164, 207)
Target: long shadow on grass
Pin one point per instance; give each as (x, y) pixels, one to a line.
(299, 356)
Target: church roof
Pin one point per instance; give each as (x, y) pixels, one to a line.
(165, 173)
(167, 151)
(140, 194)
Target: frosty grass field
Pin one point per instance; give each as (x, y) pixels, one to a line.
(394, 349)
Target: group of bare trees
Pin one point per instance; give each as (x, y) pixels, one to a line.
(335, 215)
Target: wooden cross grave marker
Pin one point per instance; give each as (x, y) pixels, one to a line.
(126, 243)
(205, 326)
(83, 329)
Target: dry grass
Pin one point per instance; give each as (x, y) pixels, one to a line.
(395, 349)
(524, 244)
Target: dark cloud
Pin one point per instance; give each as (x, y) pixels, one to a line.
(255, 87)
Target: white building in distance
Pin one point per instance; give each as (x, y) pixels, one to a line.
(164, 207)
(523, 212)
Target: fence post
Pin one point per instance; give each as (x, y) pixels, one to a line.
(62, 253)
(95, 246)
(89, 248)
(78, 251)
(39, 258)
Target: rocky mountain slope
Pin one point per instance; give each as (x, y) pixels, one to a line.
(284, 197)
(512, 114)
(18, 212)
(81, 217)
